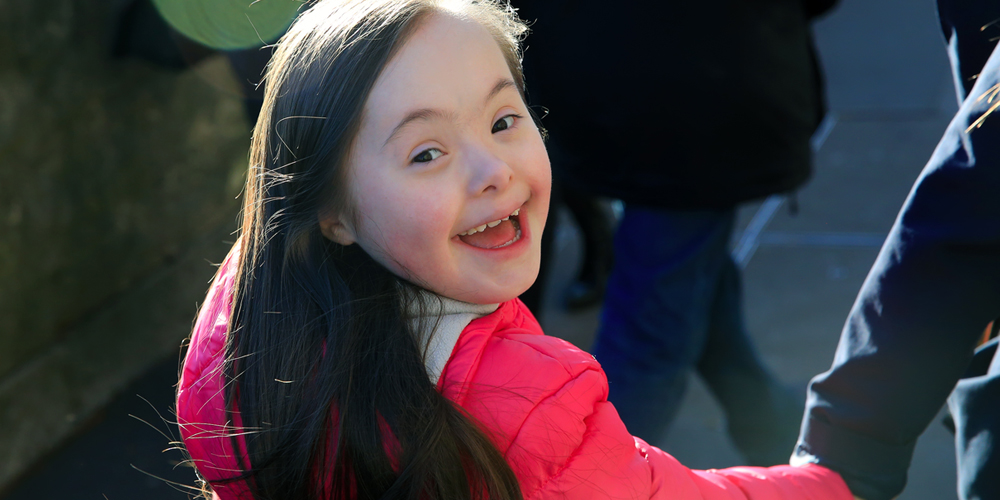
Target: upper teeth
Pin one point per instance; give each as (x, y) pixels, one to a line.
(479, 229)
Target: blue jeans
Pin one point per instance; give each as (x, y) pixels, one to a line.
(673, 305)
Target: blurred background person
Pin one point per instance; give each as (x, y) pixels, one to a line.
(683, 110)
(912, 335)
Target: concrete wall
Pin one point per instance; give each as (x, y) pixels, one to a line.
(117, 186)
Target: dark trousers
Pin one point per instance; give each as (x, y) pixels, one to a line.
(673, 306)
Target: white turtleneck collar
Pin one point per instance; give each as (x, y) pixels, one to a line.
(451, 317)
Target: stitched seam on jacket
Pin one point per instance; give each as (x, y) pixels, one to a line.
(540, 351)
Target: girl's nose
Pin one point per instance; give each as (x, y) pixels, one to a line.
(489, 172)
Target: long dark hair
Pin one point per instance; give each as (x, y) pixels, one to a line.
(323, 366)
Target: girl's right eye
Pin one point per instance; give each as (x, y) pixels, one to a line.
(427, 155)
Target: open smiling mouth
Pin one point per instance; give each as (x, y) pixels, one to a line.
(496, 234)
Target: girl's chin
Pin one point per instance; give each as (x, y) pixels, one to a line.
(484, 299)
(494, 294)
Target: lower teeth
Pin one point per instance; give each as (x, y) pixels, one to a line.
(517, 236)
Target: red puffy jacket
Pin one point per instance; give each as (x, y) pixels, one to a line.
(543, 400)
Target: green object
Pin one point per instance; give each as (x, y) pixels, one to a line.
(230, 24)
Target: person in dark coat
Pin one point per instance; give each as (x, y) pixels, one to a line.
(911, 337)
(683, 110)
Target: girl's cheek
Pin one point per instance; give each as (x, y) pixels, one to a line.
(542, 172)
(417, 230)
(537, 157)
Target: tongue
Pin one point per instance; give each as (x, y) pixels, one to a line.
(492, 237)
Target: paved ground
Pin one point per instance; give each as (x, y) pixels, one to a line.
(891, 98)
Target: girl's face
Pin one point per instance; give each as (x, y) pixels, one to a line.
(449, 178)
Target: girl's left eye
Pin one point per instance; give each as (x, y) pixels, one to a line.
(504, 123)
(427, 155)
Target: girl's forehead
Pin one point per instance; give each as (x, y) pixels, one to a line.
(448, 63)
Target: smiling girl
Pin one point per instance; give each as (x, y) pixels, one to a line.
(364, 339)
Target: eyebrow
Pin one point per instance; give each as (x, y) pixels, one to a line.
(501, 85)
(431, 113)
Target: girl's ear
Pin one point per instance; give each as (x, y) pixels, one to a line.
(336, 229)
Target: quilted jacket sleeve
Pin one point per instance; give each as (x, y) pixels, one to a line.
(201, 407)
(607, 462)
(564, 440)
(669, 478)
